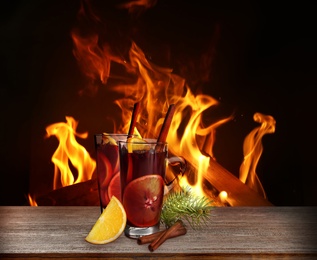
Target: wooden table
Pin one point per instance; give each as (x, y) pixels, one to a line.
(233, 233)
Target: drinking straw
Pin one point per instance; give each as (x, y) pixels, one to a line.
(166, 124)
(135, 114)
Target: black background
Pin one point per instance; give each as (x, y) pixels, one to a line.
(264, 60)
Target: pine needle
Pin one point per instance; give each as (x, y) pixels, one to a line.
(184, 205)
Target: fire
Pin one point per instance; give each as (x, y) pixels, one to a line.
(252, 150)
(136, 79)
(32, 201)
(69, 151)
(155, 88)
(223, 195)
(197, 187)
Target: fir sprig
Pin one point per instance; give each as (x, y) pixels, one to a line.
(186, 206)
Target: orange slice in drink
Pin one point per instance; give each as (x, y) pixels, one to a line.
(104, 170)
(114, 188)
(142, 200)
(136, 143)
(108, 139)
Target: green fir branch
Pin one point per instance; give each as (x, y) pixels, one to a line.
(186, 206)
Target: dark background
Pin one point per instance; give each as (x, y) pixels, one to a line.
(263, 60)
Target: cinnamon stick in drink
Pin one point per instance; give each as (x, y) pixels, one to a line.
(135, 113)
(166, 124)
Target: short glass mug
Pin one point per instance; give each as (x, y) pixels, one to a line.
(142, 170)
(108, 166)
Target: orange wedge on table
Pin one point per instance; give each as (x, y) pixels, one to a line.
(110, 224)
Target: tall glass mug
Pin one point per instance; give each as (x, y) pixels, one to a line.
(108, 166)
(142, 168)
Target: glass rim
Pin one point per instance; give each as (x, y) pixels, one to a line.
(114, 134)
(149, 141)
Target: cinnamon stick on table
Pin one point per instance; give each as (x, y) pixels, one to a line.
(152, 237)
(149, 238)
(177, 229)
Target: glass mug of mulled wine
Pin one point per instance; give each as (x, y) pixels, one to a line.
(143, 164)
(108, 166)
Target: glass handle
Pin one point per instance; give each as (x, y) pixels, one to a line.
(180, 163)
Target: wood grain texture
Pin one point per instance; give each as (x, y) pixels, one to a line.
(232, 233)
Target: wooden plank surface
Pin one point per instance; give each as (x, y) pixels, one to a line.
(232, 233)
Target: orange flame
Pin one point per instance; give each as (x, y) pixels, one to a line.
(252, 150)
(69, 150)
(155, 88)
(32, 201)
